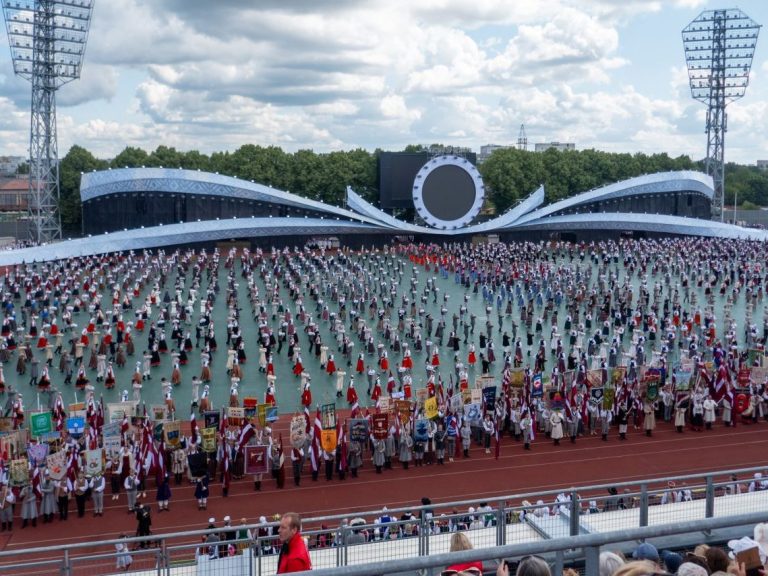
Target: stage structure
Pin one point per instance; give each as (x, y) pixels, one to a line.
(719, 47)
(47, 39)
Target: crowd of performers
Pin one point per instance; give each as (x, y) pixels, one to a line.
(575, 339)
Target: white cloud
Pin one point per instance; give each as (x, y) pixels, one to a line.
(347, 73)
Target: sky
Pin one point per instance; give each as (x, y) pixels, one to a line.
(343, 74)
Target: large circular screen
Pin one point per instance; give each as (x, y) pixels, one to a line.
(448, 192)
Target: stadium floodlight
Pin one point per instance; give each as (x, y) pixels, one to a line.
(47, 39)
(719, 46)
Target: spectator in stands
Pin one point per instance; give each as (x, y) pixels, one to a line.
(646, 551)
(717, 560)
(212, 540)
(638, 568)
(671, 560)
(459, 542)
(691, 569)
(293, 553)
(528, 566)
(609, 563)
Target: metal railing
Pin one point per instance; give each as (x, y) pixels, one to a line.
(526, 520)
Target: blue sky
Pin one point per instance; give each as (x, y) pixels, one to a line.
(342, 74)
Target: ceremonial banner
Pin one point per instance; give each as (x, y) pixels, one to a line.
(556, 401)
(537, 386)
(421, 397)
(256, 461)
(652, 391)
(250, 406)
(489, 396)
(159, 412)
(119, 410)
(596, 396)
(618, 374)
(110, 429)
(77, 409)
(430, 408)
(682, 379)
(385, 404)
(93, 462)
(37, 453)
(517, 378)
(758, 375)
(328, 416)
(403, 410)
(6, 425)
(421, 430)
(157, 431)
(595, 378)
(755, 357)
(744, 376)
(456, 403)
(358, 430)
(476, 396)
(19, 473)
(466, 396)
(57, 465)
(298, 432)
(198, 465)
(209, 439)
(272, 415)
(76, 426)
(172, 431)
(328, 440)
(609, 394)
(41, 423)
(211, 419)
(235, 415)
(261, 411)
(380, 426)
(473, 413)
(112, 446)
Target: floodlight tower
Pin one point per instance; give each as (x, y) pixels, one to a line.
(522, 138)
(719, 46)
(48, 39)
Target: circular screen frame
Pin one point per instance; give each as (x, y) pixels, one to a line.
(418, 192)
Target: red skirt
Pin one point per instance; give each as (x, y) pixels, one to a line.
(384, 363)
(331, 367)
(472, 359)
(360, 366)
(435, 360)
(408, 362)
(298, 369)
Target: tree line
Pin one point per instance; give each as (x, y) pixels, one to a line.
(509, 174)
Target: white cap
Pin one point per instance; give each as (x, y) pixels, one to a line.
(227, 519)
(211, 520)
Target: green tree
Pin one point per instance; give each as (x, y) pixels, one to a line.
(77, 161)
(130, 157)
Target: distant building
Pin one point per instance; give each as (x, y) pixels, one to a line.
(762, 164)
(488, 149)
(561, 146)
(437, 149)
(9, 164)
(14, 194)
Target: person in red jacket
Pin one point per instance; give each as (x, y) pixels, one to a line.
(293, 553)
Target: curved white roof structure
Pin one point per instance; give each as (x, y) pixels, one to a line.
(362, 217)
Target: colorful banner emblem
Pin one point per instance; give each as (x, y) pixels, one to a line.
(328, 417)
(489, 396)
(211, 419)
(57, 465)
(403, 410)
(298, 432)
(172, 431)
(380, 426)
(93, 462)
(19, 473)
(474, 413)
(328, 440)
(517, 377)
(596, 396)
(250, 406)
(537, 386)
(209, 439)
(256, 461)
(38, 453)
(421, 430)
(358, 430)
(609, 394)
(41, 423)
(430, 408)
(76, 426)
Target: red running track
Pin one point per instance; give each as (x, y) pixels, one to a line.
(546, 467)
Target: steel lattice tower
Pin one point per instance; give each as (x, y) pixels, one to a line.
(47, 39)
(522, 138)
(719, 46)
